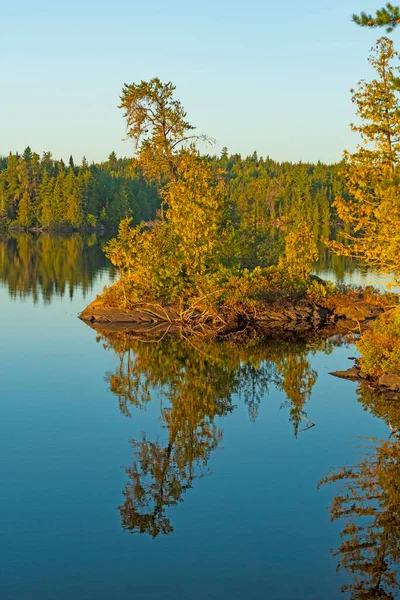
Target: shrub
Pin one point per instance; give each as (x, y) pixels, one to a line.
(380, 346)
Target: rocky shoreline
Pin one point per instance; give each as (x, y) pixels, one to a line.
(387, 383)
(270, 320)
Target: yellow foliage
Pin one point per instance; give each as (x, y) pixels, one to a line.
(372, 210)
(380, 346)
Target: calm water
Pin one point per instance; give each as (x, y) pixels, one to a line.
(175, 471)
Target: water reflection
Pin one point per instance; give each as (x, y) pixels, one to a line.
(340, 269)
(368, 503)
(196, 381)
(45, 265)
(385, 406)
(348, 271)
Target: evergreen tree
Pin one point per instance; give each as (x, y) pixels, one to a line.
(388, 16)
(72, 213)
(25, 215)
(156, 122)
(373, 212)
(45, 195)
(27, 155)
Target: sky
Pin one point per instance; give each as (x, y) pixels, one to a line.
(261, 75)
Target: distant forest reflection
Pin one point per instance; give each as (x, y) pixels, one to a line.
(197, 382)
(49, 264)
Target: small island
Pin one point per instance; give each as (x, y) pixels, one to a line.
(203, 268)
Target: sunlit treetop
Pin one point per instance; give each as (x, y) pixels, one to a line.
(388, 16)
(156, 122)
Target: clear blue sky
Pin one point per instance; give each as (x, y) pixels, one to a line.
(257, 75)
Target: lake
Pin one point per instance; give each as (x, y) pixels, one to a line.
(179, 470)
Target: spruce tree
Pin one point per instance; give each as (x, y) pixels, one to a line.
(25, 215)
(27, 155)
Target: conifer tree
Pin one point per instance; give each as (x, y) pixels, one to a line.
(27, 155)
(25, 215)
(196, 211)
(372, 173)
(72, 212)
(45, 195)
(156, 122)
(388, 16)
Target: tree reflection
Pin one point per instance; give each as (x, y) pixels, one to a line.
(369, 504)
(385, 406)
(298, 379)
(49, 264)
(196, 381)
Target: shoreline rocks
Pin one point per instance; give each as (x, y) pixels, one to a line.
(269, 320)
(386, 383)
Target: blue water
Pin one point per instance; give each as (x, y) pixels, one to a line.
(252, 526)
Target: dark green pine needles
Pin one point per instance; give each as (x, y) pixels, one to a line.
(388, 16)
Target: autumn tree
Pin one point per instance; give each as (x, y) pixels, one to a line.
(372, 173)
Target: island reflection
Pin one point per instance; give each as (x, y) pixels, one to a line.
(196, 380)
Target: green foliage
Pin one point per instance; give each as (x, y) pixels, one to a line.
(380, 346)
(182, 257)
(43, 193)
(266, 197)
(388, 16)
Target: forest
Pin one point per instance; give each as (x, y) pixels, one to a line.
(44, 193)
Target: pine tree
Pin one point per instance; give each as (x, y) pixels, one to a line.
(372, 211)
(27, 155)
(156, 122)
(388, 16)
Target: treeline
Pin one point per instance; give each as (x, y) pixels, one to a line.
(266, 196)
(40, 192)
(45, 193)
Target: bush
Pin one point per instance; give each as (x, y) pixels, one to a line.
(380, 346)
(318, 291)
